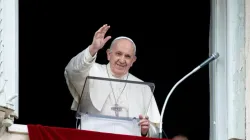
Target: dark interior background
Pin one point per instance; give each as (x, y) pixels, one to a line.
(172, 38)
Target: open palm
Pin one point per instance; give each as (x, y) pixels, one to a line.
(99, 39)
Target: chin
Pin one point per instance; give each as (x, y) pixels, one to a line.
(120, 72)
(120, 69)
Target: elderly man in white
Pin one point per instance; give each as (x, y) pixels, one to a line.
(121, 56)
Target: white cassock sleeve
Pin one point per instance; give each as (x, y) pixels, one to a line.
(76, 72)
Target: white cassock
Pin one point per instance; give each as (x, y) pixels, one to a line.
(101, 96)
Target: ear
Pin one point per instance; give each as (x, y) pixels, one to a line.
(134, 59)
(108, 54)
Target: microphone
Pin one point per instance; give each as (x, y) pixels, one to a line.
(210, 59)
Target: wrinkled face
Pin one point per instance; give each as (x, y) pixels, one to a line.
(121, 57)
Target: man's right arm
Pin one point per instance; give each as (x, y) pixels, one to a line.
(79, 66)
(78, 69)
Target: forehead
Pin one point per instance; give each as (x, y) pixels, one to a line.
(124, 46)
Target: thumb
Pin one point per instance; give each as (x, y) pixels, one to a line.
(140, 117)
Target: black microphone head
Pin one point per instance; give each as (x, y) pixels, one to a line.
(215, 55)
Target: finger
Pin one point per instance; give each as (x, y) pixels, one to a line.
(144, 122)
(105, 29)
(146, 117)
(145, 127)
(140, 117)
(106, 39)
(100, 30)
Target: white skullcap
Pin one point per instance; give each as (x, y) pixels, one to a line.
(123, 37)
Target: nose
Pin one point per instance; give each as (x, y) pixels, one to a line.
(122, 59)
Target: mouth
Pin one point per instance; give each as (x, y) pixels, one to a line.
(120, 66)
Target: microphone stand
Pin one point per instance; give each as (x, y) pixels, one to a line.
(213, 57)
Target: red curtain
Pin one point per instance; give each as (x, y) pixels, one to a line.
(39, 132)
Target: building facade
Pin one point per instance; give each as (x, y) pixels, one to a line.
(229, 74)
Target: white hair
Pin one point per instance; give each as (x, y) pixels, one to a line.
(123, 37)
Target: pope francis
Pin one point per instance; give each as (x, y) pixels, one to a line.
(107, 98)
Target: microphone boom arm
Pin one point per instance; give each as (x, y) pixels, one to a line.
(169, 94)
(213, 57)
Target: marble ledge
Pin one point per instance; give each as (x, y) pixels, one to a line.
(15, 132)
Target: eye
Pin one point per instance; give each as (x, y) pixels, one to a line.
(127, 56)
(118, 53)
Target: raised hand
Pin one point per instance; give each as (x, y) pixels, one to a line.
(99, 39)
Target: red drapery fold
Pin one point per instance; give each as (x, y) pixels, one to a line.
(39, 132)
